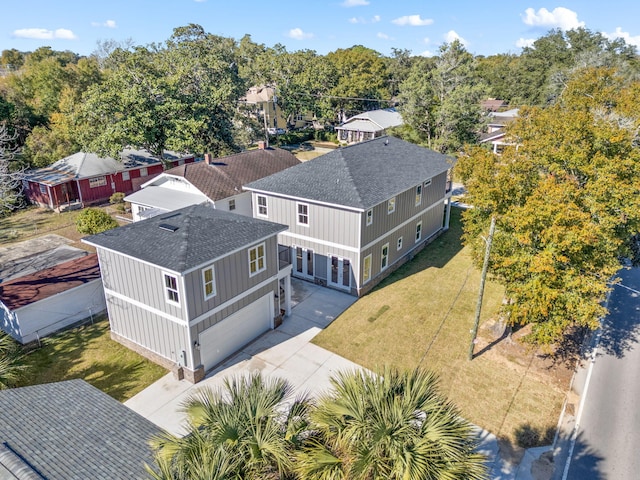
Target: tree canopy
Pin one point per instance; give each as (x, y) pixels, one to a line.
(567, 203)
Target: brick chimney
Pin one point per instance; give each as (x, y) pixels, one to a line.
(261, 145)
(208, 158)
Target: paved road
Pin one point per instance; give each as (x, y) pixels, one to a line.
(608, 439)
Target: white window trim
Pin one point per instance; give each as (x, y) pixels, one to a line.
(399, 244)
(144, 172)
(384, 257)
(213, 282)
(298, 205)
(126, 176)
(418, 234)
(390, 202)
(264, 249)
(419, 195)
(232, 204)
(167, 289)
(266, 206)
(364, 263)
(369, 218)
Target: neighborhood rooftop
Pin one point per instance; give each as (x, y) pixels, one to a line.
(185, 239)
(358, 176)
(225, 176)
(68, 430)
(85, 165)
(374, 120)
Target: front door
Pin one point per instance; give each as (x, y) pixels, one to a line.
(339, 272)
(303, 262)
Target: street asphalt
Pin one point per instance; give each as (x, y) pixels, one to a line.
(606, 441)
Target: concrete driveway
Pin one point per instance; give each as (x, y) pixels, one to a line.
(285, 352)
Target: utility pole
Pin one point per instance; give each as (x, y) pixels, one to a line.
(485, 266)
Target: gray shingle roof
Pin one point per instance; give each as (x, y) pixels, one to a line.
(71, 430)
(358, 176)
(201, 234)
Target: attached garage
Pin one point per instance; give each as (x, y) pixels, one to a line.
(227, 337)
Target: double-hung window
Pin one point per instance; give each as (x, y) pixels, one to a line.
(262, 206)
(303, 214)
(384, 258)
(232, 204)
(391, 205)
(418, 231)
(366, 269)
(209, 282)
(171, 289)
(399, 244)
(418, 195)
(257, 261)
(369, 216)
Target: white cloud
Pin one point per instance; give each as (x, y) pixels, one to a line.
(451, 35)
(427, 53)
(44, 34)
(427, 40)
(374, 19)
(525, 42)
(559, 17)
(299, 34)
(108, 24)
(384, 36)
(412, 20)
(355, 3)
(626, 36)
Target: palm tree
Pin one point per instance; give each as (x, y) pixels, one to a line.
(248, 429)
(10, 361)
(392, 425)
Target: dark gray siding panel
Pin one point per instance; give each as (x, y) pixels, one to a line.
(406, 208)
(139, 281)
(160, 335)
(232, 278)
(335, 225)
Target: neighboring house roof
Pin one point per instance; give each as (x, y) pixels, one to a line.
(259, 94)
(29, 289)
(38, 261)
(185, 239)
(502, 118)
(496, 134)
(163, 199)
(85, 165)
(71, 430)
(358, 176)
(492, 104)
(373, 121)
(225, 176)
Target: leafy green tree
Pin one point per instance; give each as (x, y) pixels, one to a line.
(12, 59)
(11, 364)
(10, 175)
(567, 204)
(442, 104)
(393, 425)
(93, 220)
(362, 81)
(181, 95)
(242, 430)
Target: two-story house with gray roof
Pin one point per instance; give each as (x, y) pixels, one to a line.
(188, 288)
(358, 212)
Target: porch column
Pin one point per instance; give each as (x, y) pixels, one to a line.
(287, 295)
(447, 215)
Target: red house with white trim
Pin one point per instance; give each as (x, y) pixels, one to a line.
(84, 179)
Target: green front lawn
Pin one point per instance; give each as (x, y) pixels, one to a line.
(422, 315)
(88, 352)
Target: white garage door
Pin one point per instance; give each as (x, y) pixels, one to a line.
(234, 332)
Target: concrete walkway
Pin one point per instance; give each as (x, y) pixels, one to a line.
(286, 352)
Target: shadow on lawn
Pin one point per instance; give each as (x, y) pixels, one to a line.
(435, 254)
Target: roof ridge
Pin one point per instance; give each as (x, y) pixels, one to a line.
(84, 157)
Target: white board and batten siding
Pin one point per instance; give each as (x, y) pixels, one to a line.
(228, 336)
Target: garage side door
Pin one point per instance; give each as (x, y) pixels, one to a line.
(234, 332)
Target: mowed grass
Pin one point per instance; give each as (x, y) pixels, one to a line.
(88, 352)
(422, 316)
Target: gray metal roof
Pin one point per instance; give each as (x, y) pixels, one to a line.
(359, 176)
(71, 430)
(201, 234)
(165, 198)
(373, 121)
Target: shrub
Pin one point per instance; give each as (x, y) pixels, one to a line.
(117, 197)
(93, 220)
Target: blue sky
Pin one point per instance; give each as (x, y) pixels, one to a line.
(421, 26)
